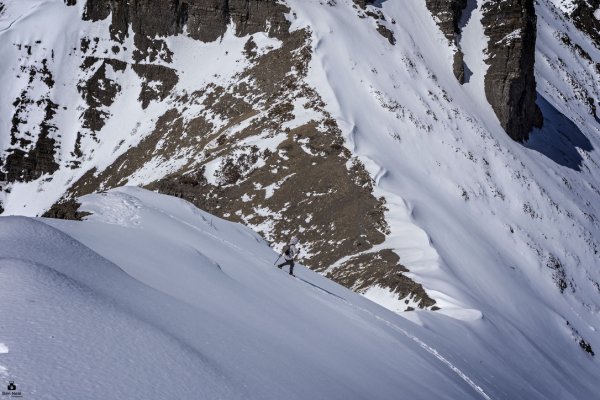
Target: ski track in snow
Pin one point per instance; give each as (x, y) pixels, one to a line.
(415, 339)
(453, 270)
(434, 353)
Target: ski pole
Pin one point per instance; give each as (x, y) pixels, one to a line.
(277, 259)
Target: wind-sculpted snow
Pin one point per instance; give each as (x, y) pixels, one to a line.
(503, 236)
(500, 228)
(182, 304)
(150, 297)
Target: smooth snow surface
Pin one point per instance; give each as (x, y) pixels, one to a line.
(152, 298)
(490, 227)
(493, 225)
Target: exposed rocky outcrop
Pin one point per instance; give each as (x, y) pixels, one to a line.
(585, 20)
(382, 25)
(252, 16)
(24, 166)
(157, 82)
(27, 166)
(583, 344)
(32, 148)
(364, 3)
(99, 90)
(67, 209)
(458, 66)
(150, 50)
(448, 15)
(205, 20)
(510, 81)
(382, 268)
(559, 275)
(386, 33)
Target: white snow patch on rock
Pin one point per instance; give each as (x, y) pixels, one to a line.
(388, 299)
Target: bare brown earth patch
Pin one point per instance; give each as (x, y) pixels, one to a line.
(382, 268)
(316, 197)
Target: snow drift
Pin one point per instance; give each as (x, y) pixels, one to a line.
(153, 298)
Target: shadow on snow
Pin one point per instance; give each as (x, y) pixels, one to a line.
(559, 139)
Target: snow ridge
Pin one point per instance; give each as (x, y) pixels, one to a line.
(237, 327)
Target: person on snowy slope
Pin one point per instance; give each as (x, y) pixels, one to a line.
(290, 251)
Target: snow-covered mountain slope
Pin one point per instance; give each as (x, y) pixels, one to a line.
(239, 135)
(151, 298)
(346, 126)
(512, 229)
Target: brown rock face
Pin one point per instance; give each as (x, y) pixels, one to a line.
(510, 82)
(205, 20)
(25, 167)
(381, 268)
(458, 67)
(448, 15)
(386, 33)
(99, 91)
(584, 19)
(157, 82)
(363, 3)
(68, 209)
(252, 16)
(32, 150)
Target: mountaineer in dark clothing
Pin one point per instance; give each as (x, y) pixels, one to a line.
(290, 251)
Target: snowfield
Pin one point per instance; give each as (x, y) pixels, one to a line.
(152, 298)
